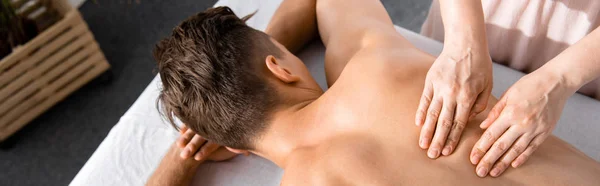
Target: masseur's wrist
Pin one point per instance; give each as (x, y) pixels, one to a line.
(464, 27)
(466, 35)
(461, 48)
(556, 81)
(554, 72)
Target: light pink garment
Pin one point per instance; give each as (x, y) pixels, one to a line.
(525, 34)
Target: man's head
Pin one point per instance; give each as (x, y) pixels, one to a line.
(222, 78)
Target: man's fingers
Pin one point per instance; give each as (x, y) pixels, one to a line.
(423, 105)
(535, 143)
(497, 150)
(193, 146)
(444, 124)
(460, 121)
(517, 148)
(221, 154)
(206, 150)
(427, 130)
(487, 139)
(494, 113)
(183, 129)
(185, 138)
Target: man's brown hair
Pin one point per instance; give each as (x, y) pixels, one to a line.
(212, 75)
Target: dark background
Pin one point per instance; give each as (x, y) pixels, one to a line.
(53, 148)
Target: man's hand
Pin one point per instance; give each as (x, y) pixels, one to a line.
(173, 170)
(195, 145)
(518, 124)
(457, 87)
(177, 169)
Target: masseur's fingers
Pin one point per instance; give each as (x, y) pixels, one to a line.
(185, 137)
(424, 104)
(460, 122)
(497, 150)
(444, 125)
(432, 116)
(193, 146)
(482, 101)
(487, 139)
(535, 143)
(517, 148)
(206, 150)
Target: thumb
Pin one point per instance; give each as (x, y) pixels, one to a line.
(482, 101)
(494, 113)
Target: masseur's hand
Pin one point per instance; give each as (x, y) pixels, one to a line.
(457, 87)
(195, 145)
(518, 124)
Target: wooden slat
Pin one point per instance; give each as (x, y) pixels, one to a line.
(48, 90)
(40, 84)
(71, 18)
(48, 63)
(62, 6)
(25, 118)
(67, 77)
(43, 53)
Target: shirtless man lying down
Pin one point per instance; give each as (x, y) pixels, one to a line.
(242, 89)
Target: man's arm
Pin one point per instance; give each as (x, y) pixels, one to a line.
(345, 27)
(294, 24)
(348, 26)
(174, 170)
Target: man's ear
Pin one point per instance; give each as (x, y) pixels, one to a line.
(238, 151)
(280, 71)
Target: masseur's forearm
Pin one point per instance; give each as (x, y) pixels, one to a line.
(294, 24)
(578, 64)
(174, 170)
(464, 25)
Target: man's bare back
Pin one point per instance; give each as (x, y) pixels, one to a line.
(373, 103)
(361, 131)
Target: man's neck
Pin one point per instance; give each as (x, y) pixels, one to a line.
(294, 127)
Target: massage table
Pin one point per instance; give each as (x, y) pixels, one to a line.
(136, 144)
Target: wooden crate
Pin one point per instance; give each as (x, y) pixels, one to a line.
(47, 69)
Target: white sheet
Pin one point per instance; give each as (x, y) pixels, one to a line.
(136, 144)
